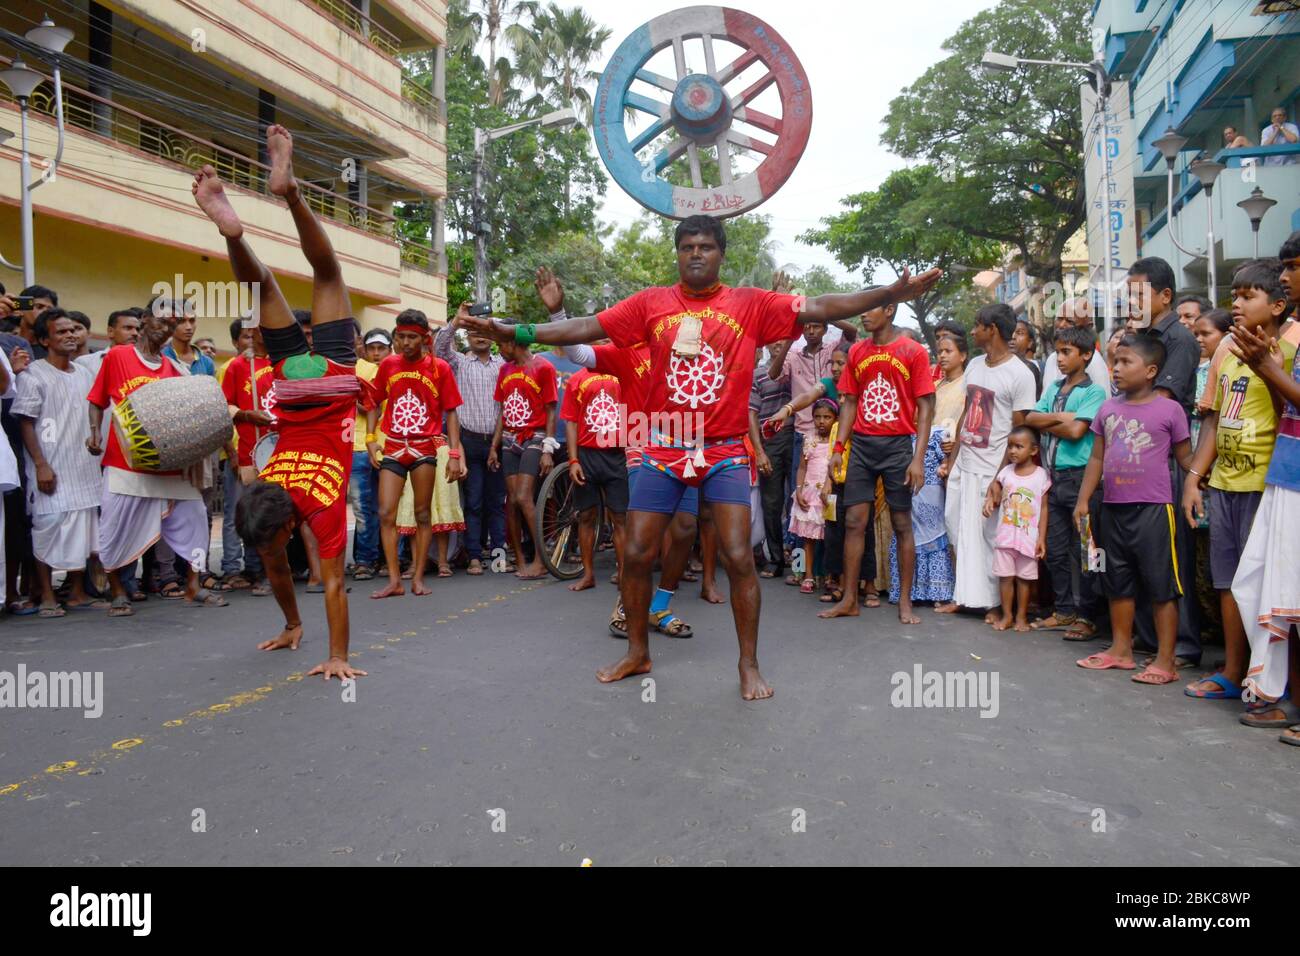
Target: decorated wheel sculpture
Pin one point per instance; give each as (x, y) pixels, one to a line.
(704, 117)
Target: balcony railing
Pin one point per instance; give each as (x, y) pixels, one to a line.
(101, 117)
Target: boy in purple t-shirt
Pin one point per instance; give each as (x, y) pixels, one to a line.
(1130, 456)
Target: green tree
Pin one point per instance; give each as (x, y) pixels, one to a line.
(470, 22)
(555, 54)
(896, 226)
(818, 280)
(1013, 143)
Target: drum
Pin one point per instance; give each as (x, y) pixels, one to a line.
(263, 451)
(172, 423)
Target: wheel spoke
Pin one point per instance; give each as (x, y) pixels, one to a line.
(753, 90)
(764, 121)
(656, 79)
(669, 154)
(647, 135)
(735, 67)
(709, 65)
(748, 142)
(724, 160)
(693, 154)
(679, 57)
(557, 552)
(646, 104)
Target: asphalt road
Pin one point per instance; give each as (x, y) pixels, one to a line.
(482, 698)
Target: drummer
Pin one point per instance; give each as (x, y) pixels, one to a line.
(250, 411)
(139, 507)
(316, 389)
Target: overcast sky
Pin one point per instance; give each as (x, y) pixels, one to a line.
(858, 56)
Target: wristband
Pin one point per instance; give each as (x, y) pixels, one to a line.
(453, 453)
(1193, 471)
(838, 449)
(550, 446)
(526, 334)
(371, 437)
(561, 315)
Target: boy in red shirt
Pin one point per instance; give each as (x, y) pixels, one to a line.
(418, 389)
(887, 397)
(316, 389)
(524, 442)
(252, 422)
(593, 403)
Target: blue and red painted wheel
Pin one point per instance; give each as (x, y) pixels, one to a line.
(701, 113)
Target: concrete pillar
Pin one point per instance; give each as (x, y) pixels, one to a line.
(440, 82)
(439, 239)
(101, 55)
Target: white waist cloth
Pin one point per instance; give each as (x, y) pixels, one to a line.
(972, 536)
(64, 541)
(1267, 589)
(138, 484)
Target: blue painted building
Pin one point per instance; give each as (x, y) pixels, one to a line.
(1199, 67)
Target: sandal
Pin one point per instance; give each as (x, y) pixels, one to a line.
(205, 598)
(871, 599)
(51, 610)
(320, 588)
(1291, 735)
(475, 567)
(618, 622)
(1154, 675)
(94, 604)
(236, 582)
(666, 622)
(793, 580)
(444, 571)
(1105, 662)
(211, 582)
(363, 572)
(1080, 630)
(1054, 622)
(121, 607)
(1257, 712)
(769, 572)
(261, 588)
(808, 586)
(172, 591)
(139, 596)
(834, 596)
(1226, 689)
(22, 608)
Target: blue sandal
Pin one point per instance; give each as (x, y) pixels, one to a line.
(1227, 689)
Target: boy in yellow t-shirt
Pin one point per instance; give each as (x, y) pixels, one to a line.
(1237, 437)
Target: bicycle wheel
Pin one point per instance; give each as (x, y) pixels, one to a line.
(555, 525)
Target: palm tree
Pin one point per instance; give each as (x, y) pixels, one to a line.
(556, 54)
(470, 21)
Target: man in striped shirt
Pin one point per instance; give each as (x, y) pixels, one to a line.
(485, 489)
(64, 484)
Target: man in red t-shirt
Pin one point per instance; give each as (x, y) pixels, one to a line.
(305, 482)
(140, 507)
(524, 441)
(593, 404)
(702, 337)
(252, 416)
(415, 389)
(887, 398)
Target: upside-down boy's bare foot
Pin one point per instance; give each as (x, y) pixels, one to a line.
(279, 148)
(211, 197)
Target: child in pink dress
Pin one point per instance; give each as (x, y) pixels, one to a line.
(813, 488)
(1021, 490)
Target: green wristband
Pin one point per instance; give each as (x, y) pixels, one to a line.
(526, 334)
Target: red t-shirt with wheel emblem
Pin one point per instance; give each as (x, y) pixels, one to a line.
(715, 383)
(886, 380)
(524, 391)
(594, 401)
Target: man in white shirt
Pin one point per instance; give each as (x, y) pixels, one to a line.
(1078, 312)
(1279, 133)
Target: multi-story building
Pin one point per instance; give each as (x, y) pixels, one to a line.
(155, 88)
(1198, 67)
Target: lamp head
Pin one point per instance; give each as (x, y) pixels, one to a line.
(560, 119)
(21, 81)
(1255, 205)
(49, 37)
(1207, 171)
(1170, 145)
(996, 63)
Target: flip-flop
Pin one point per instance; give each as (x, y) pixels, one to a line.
(1154, 675)
(668, 623)
(121, 607)
(51, 610)
(22, 608)
(95, 605)
(475, 568)
(1227, 689)
(444, 572)
(1294, 739)
(205, 598)
(1105, 662)
(363, 572)
(807, 587)
(261, 589)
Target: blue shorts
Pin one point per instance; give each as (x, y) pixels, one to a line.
(662, 493)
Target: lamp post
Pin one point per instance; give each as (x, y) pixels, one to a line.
(1207, 171)
(22, 82)
(1255, 206)
(995, 64)
(559, 119)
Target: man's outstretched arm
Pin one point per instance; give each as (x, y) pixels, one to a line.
(837, 306)
(571, 332)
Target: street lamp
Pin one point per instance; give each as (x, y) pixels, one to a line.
(22, 82)
(997, 64)
(559, 119)
(607, 291)
(1207, 171)
(1255, 206)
